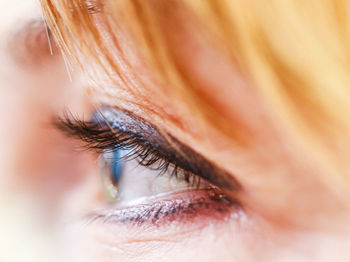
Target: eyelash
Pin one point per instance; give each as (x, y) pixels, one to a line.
(99, 137)
(204, 204)
(210, 202)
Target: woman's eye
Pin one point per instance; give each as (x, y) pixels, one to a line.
(149, 176)
(126, 180)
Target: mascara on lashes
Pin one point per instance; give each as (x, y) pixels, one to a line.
(204, 204)
(173, 151)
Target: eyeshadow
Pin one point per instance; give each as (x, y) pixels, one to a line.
(168, 148)
(203, 204)
(126, 122)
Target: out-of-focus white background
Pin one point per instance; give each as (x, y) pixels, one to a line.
(22, 238)
(34, 163)
(13, 11)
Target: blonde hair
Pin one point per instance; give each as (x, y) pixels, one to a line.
(295, 52)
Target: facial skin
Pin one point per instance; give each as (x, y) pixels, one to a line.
(286, 212)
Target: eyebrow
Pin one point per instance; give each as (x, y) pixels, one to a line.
(114, 123)
(91, 6)
(32, 44)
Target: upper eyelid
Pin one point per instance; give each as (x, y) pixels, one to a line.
(124, 123)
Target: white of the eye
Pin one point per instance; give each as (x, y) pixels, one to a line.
(139, 183)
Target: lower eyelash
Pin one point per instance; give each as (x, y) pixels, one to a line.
(201, 203)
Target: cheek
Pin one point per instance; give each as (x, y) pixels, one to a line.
(216, 242)
(200, 239)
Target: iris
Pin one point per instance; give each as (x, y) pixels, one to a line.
(111, 168)
(116, 166)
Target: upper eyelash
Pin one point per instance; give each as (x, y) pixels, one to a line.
(112, 128)
(100, 137)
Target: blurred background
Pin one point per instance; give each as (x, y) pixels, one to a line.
(38, 166)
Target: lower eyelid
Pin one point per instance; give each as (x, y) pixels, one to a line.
(182, 207)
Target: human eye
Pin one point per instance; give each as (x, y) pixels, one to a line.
(133, 176)
(150, 177)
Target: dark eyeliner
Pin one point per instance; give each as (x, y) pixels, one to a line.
(111, 128)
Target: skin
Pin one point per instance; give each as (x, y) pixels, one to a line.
(288, 212)
(288, 216)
